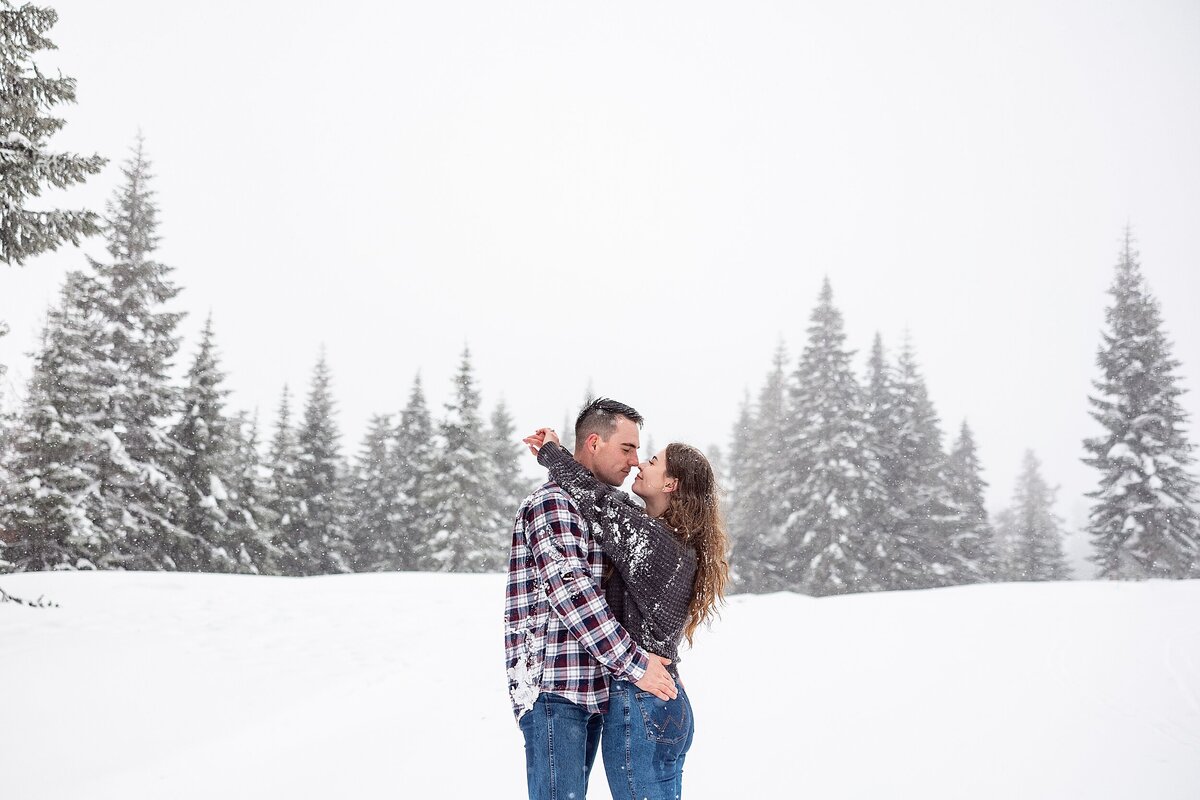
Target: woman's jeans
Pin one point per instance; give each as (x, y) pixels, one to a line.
(644, 743)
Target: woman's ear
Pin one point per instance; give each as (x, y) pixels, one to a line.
(670, 486)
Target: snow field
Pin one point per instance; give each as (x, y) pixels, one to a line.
(150, 685)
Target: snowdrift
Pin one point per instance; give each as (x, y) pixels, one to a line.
(153, 685)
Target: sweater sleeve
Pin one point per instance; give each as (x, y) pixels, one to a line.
(643, 549)
(560, 556)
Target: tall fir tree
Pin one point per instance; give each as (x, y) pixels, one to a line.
(1036, 533)
(139, 495)
(759, 507)
(922, 551)
(1144, 523)
(285, 495)
(204, 464)
(324, 536)
(3, 368)
(252, 520)
(376, 501)
(413, 465)
(1006, 545)
(568, 432)
(741, 454)
(468, 535)
(57, 450)
(828, 547)
(973, 538)
(27, 166)
(882, 510)
(511, 485)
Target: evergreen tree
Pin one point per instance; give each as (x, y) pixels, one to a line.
(139, 495)
(413, 464)
(57, 451)
(1006, 546)
(27, 166)
(376, 500)
(204, 464)
(922, 542)
(511, 485)
(828, 547)
(251, 518)
(468, 535)
(973, 537)
(568, 433)
(285, 498)
(759, 506)
(324, 537)
(882, 516)
(3, 368)
(1037, 537)
(1144, 523)
(741, 454)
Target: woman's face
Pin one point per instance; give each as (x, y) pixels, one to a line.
(652, 477)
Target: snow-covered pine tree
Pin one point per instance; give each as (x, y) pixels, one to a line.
(3, 368)
(376, 501)
(882, 508)
(324, 536)
(740, 466)
(204, 464)
(759, 507)
(413, 464)
(468, 535)
(922, 548)
(511, 485)
(57, 450)
(285, 495)
(1006, 546)
(973, 535)
(250, 515)
(26, 125)
(1037, 536)
(568, 433)
(829, 478)
(1144, 522)
(139, 495)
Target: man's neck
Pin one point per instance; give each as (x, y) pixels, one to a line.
(585, 460)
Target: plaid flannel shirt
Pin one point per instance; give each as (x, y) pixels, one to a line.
(559, 634)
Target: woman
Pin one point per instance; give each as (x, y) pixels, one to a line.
(671, 571)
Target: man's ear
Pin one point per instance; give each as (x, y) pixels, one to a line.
(592, 441)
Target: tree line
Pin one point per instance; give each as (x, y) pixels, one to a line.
(109, 464)
(841, 484)
(836, 483)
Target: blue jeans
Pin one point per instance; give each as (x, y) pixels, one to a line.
(645, 741)
(561, 739)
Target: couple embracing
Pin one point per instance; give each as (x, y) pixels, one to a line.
(600, 592)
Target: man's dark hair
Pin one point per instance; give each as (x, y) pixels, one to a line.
(600, 417)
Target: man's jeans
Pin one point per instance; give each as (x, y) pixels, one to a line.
(561, 739)
(645, 741)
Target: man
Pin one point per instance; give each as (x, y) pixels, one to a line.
(562, 643)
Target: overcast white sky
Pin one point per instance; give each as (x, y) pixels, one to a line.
(646, 196)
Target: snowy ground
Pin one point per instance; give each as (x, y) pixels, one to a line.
(391, 686)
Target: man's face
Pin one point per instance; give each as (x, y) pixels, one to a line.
(612, 459)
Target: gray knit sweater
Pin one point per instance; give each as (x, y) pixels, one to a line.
(652, 588)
